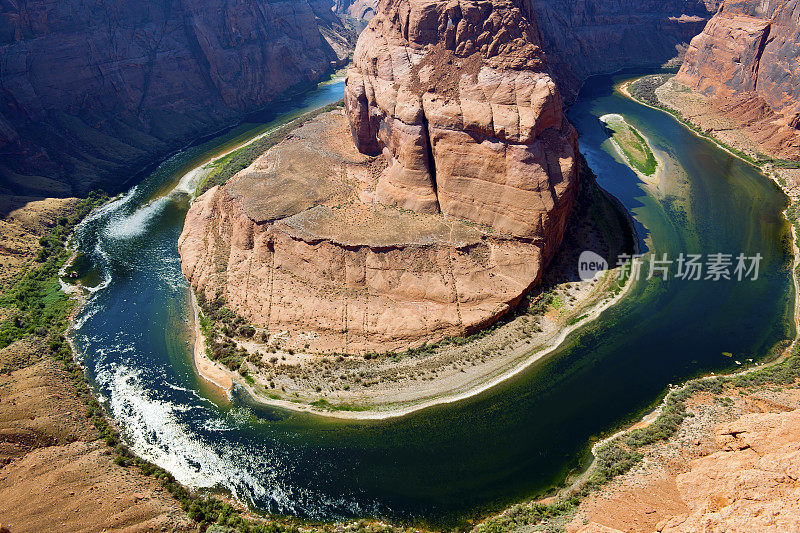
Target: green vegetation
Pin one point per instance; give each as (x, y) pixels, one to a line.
(644, 88)
(793, 215)
(226, 167)
(625, 451)
(218, 324)
(636, 149)
(577, 319)
(40, 311)
(35, 302)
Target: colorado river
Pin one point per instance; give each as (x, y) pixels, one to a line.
(451, 462)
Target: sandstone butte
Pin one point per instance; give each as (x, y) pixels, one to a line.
(446, 214)
(585, 37)
(747, 61)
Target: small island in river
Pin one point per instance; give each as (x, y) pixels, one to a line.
(631, 145)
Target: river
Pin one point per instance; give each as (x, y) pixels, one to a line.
(448, 463)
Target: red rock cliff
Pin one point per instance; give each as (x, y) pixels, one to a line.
(457, 97)
(440, 234)
(327, 268)
(585, 37)
(89, 92)
(747, 57)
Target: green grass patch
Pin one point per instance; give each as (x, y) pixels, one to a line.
(36, 304)
(577, 319)
(636, 149)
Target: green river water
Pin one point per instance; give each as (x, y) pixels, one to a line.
(447, 463)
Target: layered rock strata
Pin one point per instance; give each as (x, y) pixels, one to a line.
(458, 100)
(358, 9)
(90, 93)
(746, 61)
(586, 37)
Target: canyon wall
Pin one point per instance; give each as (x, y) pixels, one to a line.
(358, 9)
(747, 60)
(586, 37)
(90, 92)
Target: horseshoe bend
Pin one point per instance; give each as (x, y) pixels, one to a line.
(352, 266)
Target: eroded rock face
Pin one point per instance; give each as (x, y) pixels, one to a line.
(749, 482)
(296, 244)
(359, 9)
(747, 58)
(89, 93)
(457, 98)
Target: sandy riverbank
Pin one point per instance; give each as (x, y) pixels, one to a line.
(483, 385)
(218, 376)
(624, 88)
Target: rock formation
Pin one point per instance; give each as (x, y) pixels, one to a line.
(89, 94)
(458, 100)
(461, 200)
(358, 9)
(586, 37)
(751, 484)
(746, 59)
